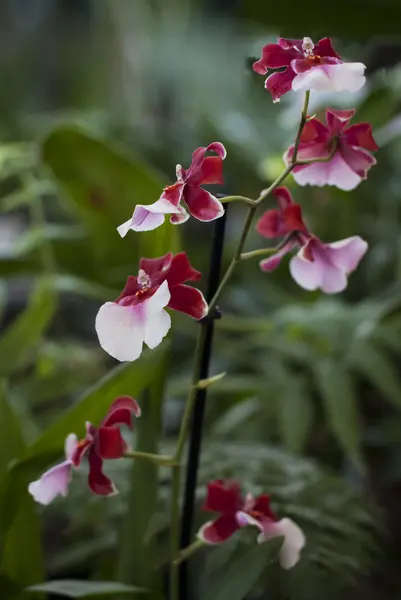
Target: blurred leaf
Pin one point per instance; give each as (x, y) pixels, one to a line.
(21, 557)
(137, 550)
(241, 575)
(295, 412)
(104, 186)
(378, 369)
(340, 403)
(72, 588)
(364, 18)
(24, 333)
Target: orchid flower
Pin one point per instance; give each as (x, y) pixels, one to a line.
(201, 204)
(137, 316)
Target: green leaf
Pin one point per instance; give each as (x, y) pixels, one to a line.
(130, 378)
(72, 588)
(340, 404)
(242, 574)
(137, 547)
(24, 333)
(377, 368)
(103, 186)
(11, 440)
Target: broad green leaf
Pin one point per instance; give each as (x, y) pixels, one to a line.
(373, 364)
(364, 18)
(24, 333)
(340, 403)
(242, 574)
(130, 378)
(21, 557)
(103, 187)
(137, 547)
(72, 588)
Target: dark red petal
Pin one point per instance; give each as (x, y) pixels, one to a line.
(223, 496)
(80, 449)
(293, 219)
(154, 267)
(324, 47)
(188, 300)
(280, 83)
(262, 505)
(287, 44)
(315, 131)
(360, 135)
(97, 480)
(110, 443)
(358, 159)
(173, 193)
(219, 148)
(121, 411)
(337, 120)
(283, 196)
(271, 224)
(275, 56)
(202, 205)
(181, 270)
(219, 531)
(211, 171)
(130, 289)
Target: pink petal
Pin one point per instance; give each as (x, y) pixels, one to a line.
(202, 205)
(223, 496)
(121, 411)
(181, 270)
(218, 531)
(320, 272)
(244, 519)
(346, 254)
(335, 172)
(360, 135)
(148, 217)
(344, 77)
(337, 120)
(280, 83)
(70, 445)
(271, 263)
(188, 300)
(52, 483)
(358, 159)
(110, 443)
(308, 274)
(97, 480)
(294, 541)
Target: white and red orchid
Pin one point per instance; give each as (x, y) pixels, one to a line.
(317, 265)
(137, 316)
(307, 66)
(351, 159)
(200, 204)
(100, 443)
(224, 497)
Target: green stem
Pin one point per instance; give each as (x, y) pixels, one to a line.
(237, 199)
(257, 253)
(189, 551)
(159, 459)
(175, 531)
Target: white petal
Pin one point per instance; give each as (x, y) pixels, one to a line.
(69, 445)
(314, 79)
(157, 320)
(160, 298)
(334, 280)
(124, 228)
(147, 217)
(346, 254)
(52, 483)
(121, 330)
(347, 77)
(294, 541)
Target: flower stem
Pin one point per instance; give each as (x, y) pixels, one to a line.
(189, 551)
(160, 459)
(195, 404)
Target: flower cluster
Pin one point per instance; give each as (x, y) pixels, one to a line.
(333, 153)
(100, 443)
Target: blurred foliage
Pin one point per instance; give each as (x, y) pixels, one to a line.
(103, 99)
